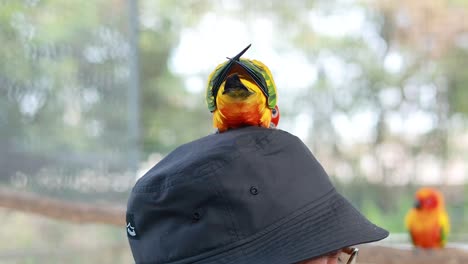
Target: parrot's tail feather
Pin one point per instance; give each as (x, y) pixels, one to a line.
(237, 57)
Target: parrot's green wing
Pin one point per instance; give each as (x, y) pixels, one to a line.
(211, 92)
(445, 227)
(443, 237)
(255, 69)
(270, 83)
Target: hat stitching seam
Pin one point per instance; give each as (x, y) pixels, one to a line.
(184, 259)
(227, 205)
(265, 231)
(349, 243)
(319, 220)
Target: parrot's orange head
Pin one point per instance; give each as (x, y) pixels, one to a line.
(428, 199)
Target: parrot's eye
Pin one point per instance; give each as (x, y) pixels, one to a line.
(274, 112)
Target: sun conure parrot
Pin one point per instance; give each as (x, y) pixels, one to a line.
(428, 222)
(241, 92)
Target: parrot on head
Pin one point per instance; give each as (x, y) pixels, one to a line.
(428, 222)
(241, 92)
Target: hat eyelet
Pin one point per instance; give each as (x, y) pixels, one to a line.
(196, 216)
(253, 190)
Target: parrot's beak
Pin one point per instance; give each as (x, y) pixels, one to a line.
(417, 204)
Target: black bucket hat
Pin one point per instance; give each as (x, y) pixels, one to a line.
(250, 195)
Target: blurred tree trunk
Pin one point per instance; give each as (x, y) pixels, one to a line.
(61, 210)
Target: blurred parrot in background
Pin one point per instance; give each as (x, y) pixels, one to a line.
(428, 222)
(241, 92)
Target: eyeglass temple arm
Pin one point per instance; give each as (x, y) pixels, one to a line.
(350, 250)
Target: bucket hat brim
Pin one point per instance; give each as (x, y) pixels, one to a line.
(326, 225)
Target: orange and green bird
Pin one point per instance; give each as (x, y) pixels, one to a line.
(428, 222)
(241, 92)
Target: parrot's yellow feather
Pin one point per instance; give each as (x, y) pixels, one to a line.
(234, 112)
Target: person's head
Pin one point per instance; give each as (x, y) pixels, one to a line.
(251, 195)
(345, 255)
